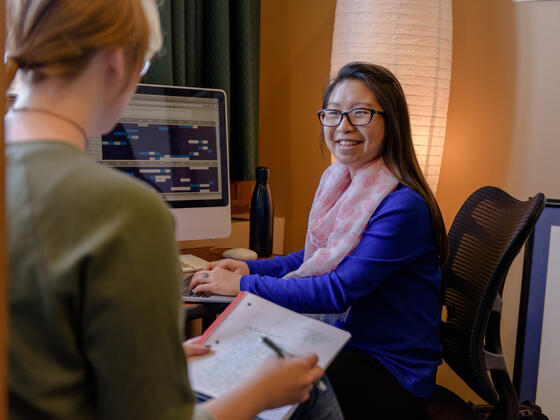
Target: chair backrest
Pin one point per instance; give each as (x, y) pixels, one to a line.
(486, 235)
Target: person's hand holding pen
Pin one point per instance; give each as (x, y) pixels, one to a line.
(282, 354)
(276, 382)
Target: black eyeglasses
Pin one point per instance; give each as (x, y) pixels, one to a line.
(355, 116)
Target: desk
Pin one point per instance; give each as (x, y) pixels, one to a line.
(206, 311)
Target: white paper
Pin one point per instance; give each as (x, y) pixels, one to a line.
(238, 349)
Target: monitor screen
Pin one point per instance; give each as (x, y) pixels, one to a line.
(175, 140)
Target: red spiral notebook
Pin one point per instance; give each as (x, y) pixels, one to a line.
(238, 349)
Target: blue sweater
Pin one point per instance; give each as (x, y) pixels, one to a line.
(392, 282)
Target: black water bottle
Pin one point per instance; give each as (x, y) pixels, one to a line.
(262, 215)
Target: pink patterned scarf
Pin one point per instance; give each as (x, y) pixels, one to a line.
(340, 212)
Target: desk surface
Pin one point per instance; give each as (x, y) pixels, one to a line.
(207, 252)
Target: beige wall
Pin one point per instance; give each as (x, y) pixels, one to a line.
(503, 124)
(296, 39)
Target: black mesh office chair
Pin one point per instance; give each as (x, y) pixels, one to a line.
(487, 233)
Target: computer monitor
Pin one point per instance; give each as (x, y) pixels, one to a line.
(175, 140)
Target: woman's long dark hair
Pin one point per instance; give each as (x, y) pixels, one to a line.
(398, 150)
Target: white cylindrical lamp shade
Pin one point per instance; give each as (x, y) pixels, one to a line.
(411, 38)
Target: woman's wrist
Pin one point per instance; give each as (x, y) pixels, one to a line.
(243, 283)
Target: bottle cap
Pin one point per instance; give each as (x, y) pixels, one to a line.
(263, 173)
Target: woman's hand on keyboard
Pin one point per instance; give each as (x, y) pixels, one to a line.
(235, 266)
(218, 281)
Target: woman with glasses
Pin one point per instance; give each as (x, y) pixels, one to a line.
(374, 246)
(94, 292)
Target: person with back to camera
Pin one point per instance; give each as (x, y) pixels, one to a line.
(374, 246)
(94, 291)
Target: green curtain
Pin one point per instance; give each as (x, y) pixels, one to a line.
(215, 44)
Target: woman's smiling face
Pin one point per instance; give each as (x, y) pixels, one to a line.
(355, 146)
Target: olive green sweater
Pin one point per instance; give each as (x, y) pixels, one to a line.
(94, 292)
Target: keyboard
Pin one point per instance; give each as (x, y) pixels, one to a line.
(208, 299)
(190, 297)
(191, 263)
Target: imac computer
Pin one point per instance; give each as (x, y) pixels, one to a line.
(175, 140)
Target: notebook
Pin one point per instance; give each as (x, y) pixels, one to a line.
(238, 349)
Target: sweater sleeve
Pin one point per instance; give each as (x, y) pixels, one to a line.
(398, 232)
(277, 266)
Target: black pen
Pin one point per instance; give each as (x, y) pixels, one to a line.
(282, 354)
(274, 347)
